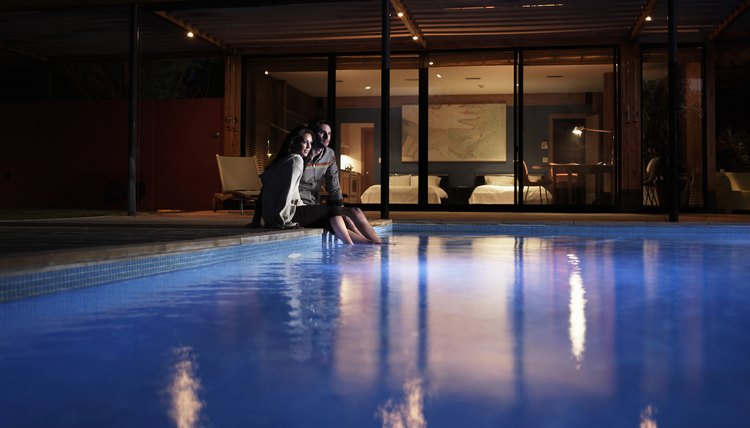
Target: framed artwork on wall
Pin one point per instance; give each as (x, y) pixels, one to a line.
(457, 133)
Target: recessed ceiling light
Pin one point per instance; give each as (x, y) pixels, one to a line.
(266, 72)
(400, 14)
(431, 63)
(415, 37)
(367, 88)
(648, 18)
(439, 76)
(190, 34)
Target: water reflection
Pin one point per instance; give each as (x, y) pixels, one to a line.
(184, 402)
(648, 417)
(408, 411)
(577, 305)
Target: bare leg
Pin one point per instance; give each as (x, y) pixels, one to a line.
(339, 228)
(355, 233)
(362, 224)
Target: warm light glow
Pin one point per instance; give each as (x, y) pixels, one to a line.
(439, 76)
(648, 18)
(577, 306)
(407, 413)
(185, 404)
(578, 130)
(346, 161)
(190, 34)
(368, 88)
(266, 72)
(400, 14)
(415, 37)
(648, 417)
(431, 63)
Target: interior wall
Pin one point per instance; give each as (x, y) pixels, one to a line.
(463, 173)
(75, 154)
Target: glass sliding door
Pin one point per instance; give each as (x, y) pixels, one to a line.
(470, 127)
(569, 127)
(358, 113)
(655, 156)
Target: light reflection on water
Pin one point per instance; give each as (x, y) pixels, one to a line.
(432, 330)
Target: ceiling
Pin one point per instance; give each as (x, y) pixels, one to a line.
(78, 30)
(49, 31)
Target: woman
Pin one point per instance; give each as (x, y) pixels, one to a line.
(280, 202)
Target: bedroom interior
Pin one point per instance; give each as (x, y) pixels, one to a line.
(471, 120)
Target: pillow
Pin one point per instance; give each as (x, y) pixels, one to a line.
(432, 180)
(399, 180)
(499, 180)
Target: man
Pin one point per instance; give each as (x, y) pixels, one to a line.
(321, 168)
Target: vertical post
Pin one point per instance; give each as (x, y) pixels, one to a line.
(232, 105)
(331, 104)
(674, 154)
(518, 122)
(385, 110)
(135, 77)
(423, 158)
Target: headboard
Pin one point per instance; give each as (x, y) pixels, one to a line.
(480, 180)
(444, 179)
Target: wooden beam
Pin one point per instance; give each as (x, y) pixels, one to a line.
(726, 22)
(24, 53)
(640, 22)
(232, 105)
(411, 25)
(31, 5)
(195, 30)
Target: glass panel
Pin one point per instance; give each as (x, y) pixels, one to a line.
(358, 108)
(471, 126)
(358, 117)
(655, 125)
(566, 91)
(281, 93)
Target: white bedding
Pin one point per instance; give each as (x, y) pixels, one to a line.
(403, 195)
(494, 194)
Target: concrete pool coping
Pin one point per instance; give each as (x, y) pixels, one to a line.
(40, 244)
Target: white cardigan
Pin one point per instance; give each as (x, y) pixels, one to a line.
(280, 195)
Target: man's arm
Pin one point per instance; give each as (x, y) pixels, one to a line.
(333, 185)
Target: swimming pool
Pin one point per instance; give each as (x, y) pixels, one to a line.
(472, 326)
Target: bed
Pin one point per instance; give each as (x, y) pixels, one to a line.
(403, 190)
(499, 188)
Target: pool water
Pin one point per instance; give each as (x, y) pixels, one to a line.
(435, 329)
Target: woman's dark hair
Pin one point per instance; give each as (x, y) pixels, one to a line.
(295, 136)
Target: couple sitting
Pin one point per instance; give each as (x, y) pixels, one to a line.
(281, 204)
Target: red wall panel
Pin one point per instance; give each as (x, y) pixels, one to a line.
(75, 154)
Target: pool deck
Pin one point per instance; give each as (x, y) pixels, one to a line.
(38, 244)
